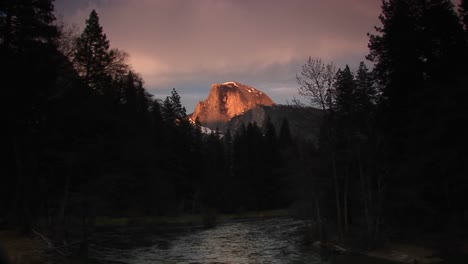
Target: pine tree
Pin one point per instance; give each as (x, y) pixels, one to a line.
(345, 90)
(27, 22)
(92, 56)
(180, 111)
(173, 111)
(29, 66)
(420, 56)
(365, 92)
(443, 107)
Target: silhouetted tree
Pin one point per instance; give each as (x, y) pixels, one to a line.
(366, 91)
(363, 150)
(27, 24)
(344, 123)
(345, 92)
(95, 61)
(27, 49)
(420, 65)
(317, 82)
(92, 57)
(173, 111)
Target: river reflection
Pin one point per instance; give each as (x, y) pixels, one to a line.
(275, 240)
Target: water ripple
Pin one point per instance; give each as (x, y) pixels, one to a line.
(263, 241)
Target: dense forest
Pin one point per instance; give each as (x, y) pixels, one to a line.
(85, 139)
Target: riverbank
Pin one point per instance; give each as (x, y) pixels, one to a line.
(19, 249)
(427, 249)
(23, 249)
(446, 248)
(26, 250)
(416, 251)
(196, 219)
(406, 253)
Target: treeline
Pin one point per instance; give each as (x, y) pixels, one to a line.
(393, 141)
(249, 170)
(76, 117)
(85, 139)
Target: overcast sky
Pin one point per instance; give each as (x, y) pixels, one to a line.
(191, 44)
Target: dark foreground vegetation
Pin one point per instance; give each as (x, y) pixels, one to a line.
(83, 138)
(393, 147)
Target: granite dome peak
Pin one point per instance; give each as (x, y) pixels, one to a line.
(227, 100)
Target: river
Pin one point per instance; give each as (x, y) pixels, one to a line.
(275, 240)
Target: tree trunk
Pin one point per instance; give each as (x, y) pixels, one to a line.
(345, 200)
(60, 225)
(365, 190)
(195, 200)
(335, 176)
(21, 203)
(84, 247)
(337, 196)
(19, 173)
(318, 217)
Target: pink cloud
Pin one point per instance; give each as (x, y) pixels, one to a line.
(182, 41)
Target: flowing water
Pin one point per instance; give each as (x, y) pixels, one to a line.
(276, 240)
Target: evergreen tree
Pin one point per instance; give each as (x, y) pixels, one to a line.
(271, 163)
(27, 23)
(214, 173)
(134, 96)
(345, 91)
(420, 54)
(173, 111)
(365, 92)
(395, 50)
(92, 55)
(443, 108)
(27, 49)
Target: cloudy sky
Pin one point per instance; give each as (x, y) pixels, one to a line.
(191, 44)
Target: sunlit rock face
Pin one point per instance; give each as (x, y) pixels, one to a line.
(226, 101)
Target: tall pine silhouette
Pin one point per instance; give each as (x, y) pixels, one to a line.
(93, 57)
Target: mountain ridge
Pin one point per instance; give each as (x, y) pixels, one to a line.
(304, 122)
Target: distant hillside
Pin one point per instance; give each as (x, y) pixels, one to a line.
(304, 122)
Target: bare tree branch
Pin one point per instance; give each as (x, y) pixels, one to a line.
(316, 82)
